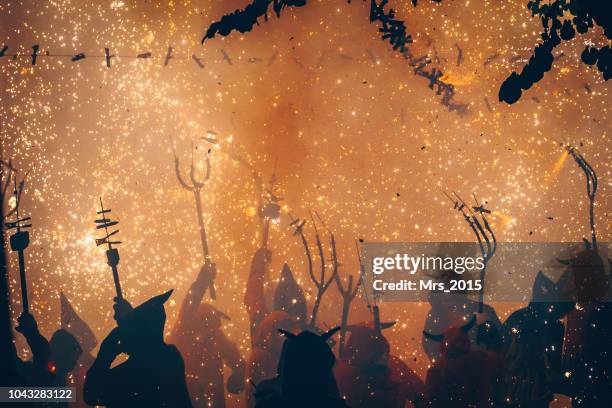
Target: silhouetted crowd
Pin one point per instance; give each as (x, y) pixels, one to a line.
(560, 343)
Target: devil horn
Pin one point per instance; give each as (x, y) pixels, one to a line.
(565, 261)
(587, 244)
(387, 325)
(468, 326)
(326, 336)
(286, 333)
(384, 325)
(434, 337)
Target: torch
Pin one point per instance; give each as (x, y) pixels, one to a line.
(112, 254)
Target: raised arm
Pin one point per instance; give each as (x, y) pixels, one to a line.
(254, 298)
(192, 301)
(98, 388)
(232, 358)
(37, 342)
(198, 288)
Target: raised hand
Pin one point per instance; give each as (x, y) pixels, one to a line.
(111, 346)
(27, 324)
(207, 274)
(235, 382)
(121, 308)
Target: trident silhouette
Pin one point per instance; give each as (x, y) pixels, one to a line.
(196, 188)
(475, 217)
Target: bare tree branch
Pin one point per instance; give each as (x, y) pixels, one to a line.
(196, 188)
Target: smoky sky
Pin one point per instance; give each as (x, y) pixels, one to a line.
(354, 133)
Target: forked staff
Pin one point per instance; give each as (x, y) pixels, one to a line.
(349, 292)
(591, 187)
(374, 307)
(475, 216)
(268, 207)
(322, 284)
(196, 188)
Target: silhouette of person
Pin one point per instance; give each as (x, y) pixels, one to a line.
(549, 304)
(588, 339)
(73, 324)
(266, 353)
(205, 348)
(10, 374)
(289, 297)
(65, 352)
(306, 373)
(289, 313)
(38, 371)
(590, 286)
(488, 337)
(254, 296)
(369, 376)
(490, 341)
(154, 373)
(451, 310)
(461, 377)
(52, 360)
(591, 372)
(529, 380)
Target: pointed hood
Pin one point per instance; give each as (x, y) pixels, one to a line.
(550, 298)
(147, 318)
(364, 345)
(289, 296)
(72, 323)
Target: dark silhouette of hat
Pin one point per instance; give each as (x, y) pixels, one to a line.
(148, 317)
(306, 362)
(288, 295)
(464, 328)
